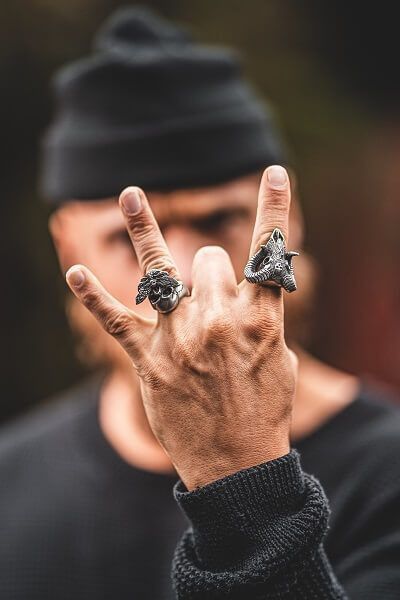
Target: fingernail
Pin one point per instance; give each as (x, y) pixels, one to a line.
(76, 277)
(277, 177)
(131, 202)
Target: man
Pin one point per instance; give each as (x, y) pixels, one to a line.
(87, 506)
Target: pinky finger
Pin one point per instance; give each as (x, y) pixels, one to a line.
(115, 318)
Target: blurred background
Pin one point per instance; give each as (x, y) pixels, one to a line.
(330, 70)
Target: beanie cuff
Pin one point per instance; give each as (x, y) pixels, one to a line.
(205, 151)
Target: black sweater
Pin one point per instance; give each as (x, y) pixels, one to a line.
(76, 522)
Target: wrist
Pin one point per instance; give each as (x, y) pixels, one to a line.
(212, 468)
(234, 521)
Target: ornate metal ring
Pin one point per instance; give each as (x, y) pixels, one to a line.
(163, 291)
(272, 265)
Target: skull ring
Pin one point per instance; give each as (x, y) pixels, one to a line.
(162, 290)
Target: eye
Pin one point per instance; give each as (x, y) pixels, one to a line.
(217, 221)
(119, 236)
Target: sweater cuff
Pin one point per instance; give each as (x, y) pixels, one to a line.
(273, 511)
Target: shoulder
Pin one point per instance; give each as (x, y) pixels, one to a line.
(356, 455)
(43, 476)
(369, 427)
(373, 457)
(364, 490)
(376, 444)
(373, 424)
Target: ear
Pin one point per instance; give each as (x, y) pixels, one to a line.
(58, 227)
(54, 224)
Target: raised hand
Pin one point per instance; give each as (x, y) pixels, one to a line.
(217, 378)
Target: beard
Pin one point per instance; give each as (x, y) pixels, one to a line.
(300, 305)
(96, 349)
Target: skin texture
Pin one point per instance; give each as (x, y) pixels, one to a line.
(225, 342)
(94, 233)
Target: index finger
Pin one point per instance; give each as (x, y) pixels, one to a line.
(150, 246)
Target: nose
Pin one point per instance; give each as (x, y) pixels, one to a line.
(183, 243)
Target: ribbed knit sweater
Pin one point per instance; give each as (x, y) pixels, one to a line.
(256, 534)
(78, 523)
(262, 532)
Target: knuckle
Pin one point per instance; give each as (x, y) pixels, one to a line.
(114, 322)
(159, 262)
(151, 249)
(186, 355)
(205, 254)
(217, 326)
(140, 225)
(118, 324)
(144, 233)
(278, 198)
(211, 251)
(91, 299)
(265, 326)
(252, 328)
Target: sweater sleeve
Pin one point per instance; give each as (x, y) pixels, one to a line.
(256, 534)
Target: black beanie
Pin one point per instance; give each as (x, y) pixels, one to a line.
(152, 108)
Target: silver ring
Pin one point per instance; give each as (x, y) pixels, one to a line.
(272, 265)
(162, 290)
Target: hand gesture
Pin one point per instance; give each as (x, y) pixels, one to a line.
(217, 379)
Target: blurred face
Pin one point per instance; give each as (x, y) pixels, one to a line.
(93, 233)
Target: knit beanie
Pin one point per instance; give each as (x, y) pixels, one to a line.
(151, 107)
